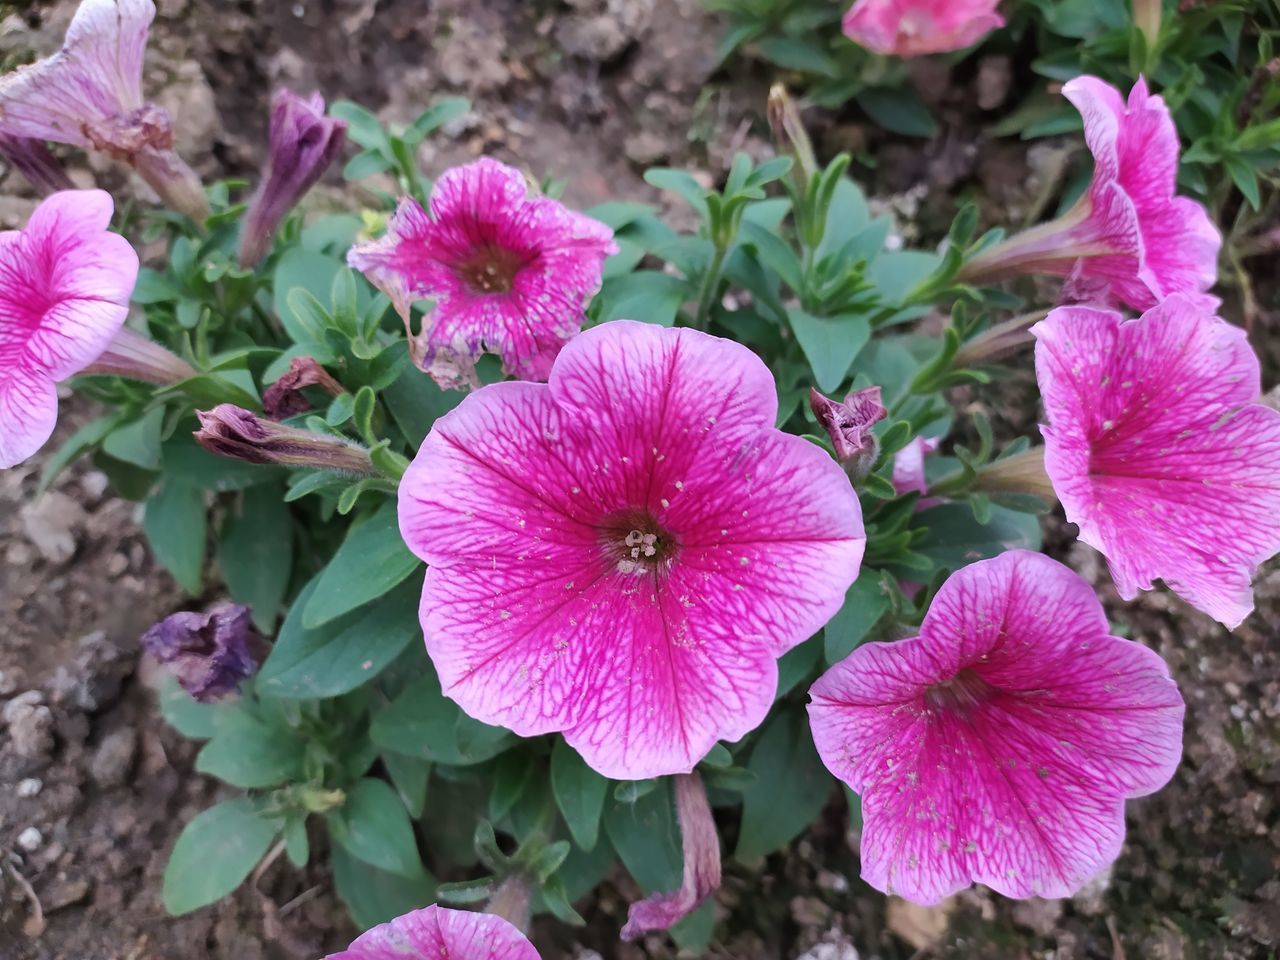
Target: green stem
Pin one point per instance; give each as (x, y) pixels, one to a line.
(710, 284)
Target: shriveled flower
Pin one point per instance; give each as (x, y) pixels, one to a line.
(909, 28)
(231, 431)
(1128, 230)
(1159, 451)
(33, 160)
(89, 95)
(623, 553)
(700, 844)
(510, 273)
(303, 143)
(207, 652)
(999, 745)
(849, 424)
(437, 933)
(65, 283)
(284, 398)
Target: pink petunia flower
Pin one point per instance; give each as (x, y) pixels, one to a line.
(999, 745)
(908, 470)
(437, 933)
(1158, 450)
(623, 553)
(89, 95)
(510, 273)
(65, 283)
(1128, 230)
(909, 28)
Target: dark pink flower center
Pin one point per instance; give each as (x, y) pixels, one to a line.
(491, 269)
(962, 693)
(634, 542)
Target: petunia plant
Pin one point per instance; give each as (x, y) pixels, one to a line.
(526, 541)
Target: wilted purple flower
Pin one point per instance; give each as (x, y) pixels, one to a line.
(207, 652)
(33, 160)
(284, 397)
(89, 95)
(849, 426)
(303, 144)
(231, 431)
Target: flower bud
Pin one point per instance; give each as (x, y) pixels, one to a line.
(32, 159)
(849, 426)
(1146, 17)
(304, 142)
(132, 355)
(284, 398)
(790, 135)
(231, 431)
(208, 653)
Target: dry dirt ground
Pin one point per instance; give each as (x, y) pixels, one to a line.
(94, 787)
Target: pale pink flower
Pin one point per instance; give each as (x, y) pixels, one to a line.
(89, 94)
(623, 553)
(999, 745)
(510, 273)
(909, 28)
(908, 470)
(1128, 230)
(437, 933)
(1158, 450)
(65, 283)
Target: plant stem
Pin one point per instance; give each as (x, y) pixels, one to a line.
(710, 284)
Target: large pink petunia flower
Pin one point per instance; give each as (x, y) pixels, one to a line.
(1128, 231)
(89, 95)
(437, 933)
(65, 283)
(623, 553)
(999, 745)
(1158, 451)
(909, 28)
(510, 273)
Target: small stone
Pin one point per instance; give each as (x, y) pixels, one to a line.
(922, 927)
(114, 757)
(63, 893)
(30, 839)
(94, 484)
(30, 725)
(1039, 916)
(995, 77)
(28, 788)
(52, 524)
(645, 148)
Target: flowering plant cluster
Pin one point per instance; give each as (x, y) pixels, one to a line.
(585, 540)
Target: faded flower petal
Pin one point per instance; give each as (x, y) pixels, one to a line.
(207, 652)
(909, 28)
(65, 283)
(1159, 451)
(510, 273)
(437, 933)
(33, 160)
(239, 434)
(623, 553)
(284, 399)
(849, 425)
(999, 745)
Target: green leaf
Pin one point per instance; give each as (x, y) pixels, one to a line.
(1245, 178)
(864, 605)
(344, 653)
(362, 126)
(365, 164)
(313, 272)
(422, 723)
(190, 717)
(250, 753)
(897, 272)
(797, 664)
(898, 110)
(375, 896)
(416, 403)
(681, 183)
(790, 789)
(296, 845)
(256, 553)
(213, 855)
(91, 434)
(956, 538)
(371, 561)
(830, 344)
(174, 521)
(189, 463)
(579, 792)
(436, 116)
(138, 442)
(647, 295)
(373, 827)
(647, 838)
(410, 777)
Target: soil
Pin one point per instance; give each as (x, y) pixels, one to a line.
(94, 787)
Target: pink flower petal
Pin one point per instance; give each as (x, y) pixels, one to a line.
(998, 746)
(65, 283)
(437, 933)
(1159, 453)
(536, 615)
(909, 28)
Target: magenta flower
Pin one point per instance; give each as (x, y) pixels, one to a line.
(510, 273)
(89, 95)
(437, 933)
(65, 283)
(909, 28)
(304, 142)
(1158, 450)
(999, 745)
(1128, 231)
(623, 553)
